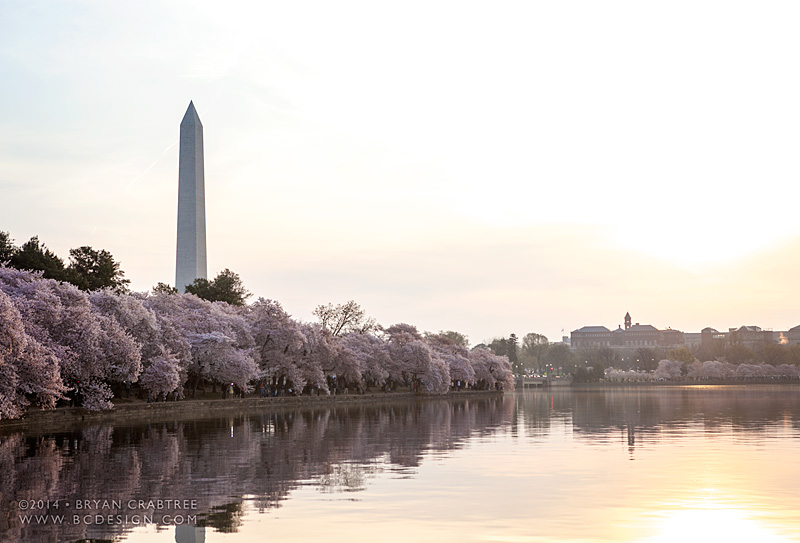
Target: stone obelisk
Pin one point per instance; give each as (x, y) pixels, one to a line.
(190, 262)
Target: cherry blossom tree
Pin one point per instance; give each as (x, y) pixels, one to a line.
(170, 342)
(669, 370)
(348, 360)
(131, 314)
(346, 318)
(278, 343)
(161, 377)
(455, 355)
(788, 371)
(416, 360)
(91, 349)
(437, 379)
(317, 353)
(369, 354)
(217, 335)
(57, 341)
(711, 369)
(754, 371)
(478, 359)
(407, 349)
(491, 371)
(12, 332)
(613, 374)
(27, 369)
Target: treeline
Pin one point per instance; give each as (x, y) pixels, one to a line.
(710, 370)
(88, 269)
(534, 353)
(60, 343)
(648, 358)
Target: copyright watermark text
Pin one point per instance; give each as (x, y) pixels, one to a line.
(106, 511)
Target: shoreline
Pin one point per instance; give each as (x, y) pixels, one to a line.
(685, 383)
(64, 419)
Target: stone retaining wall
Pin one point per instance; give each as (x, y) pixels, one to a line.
(69, 418)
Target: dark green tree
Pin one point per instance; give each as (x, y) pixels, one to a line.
(647, 359)
(499, 346)
(513, 355)
(227, 287)
(739, 354)
(202, 288)
(534, 347)
(90, 269)
(163, 288)
(711, 351)
(603, 357)
(33, 255)
(793, 354)
(773, 354)
(682, 354)
(588, 375)
(7, 248)
(560, 356)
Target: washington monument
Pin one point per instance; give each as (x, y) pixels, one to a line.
(190, 261)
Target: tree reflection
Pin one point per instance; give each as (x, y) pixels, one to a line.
(226, 518)
(259, 456)
(343, 478)
(255, 459)
(639, 414)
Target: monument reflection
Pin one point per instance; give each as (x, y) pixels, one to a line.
(616, 464)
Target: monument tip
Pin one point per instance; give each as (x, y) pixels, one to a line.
(191, 113)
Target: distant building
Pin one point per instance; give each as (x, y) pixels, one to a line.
(692, 339)
(590, 337)
(633, 336)
(749, 336)
(638, 335)
(793, 336)
(709, 336)
(671, 338)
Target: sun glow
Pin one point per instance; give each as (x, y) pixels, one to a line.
(712, 523)
(690, 244)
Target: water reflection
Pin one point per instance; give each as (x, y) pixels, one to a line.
(112, 478)
(621, 464)
(600, 415)
(708, 522)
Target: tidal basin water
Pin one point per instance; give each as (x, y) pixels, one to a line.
(643, 464)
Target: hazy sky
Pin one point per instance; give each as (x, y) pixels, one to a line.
(486, 167)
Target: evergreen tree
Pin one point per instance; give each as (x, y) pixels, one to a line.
(499, 346)
(163, 288)
(513, 355)
(6, 247)
(33, 255)
(94, 270)
(227, 286)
